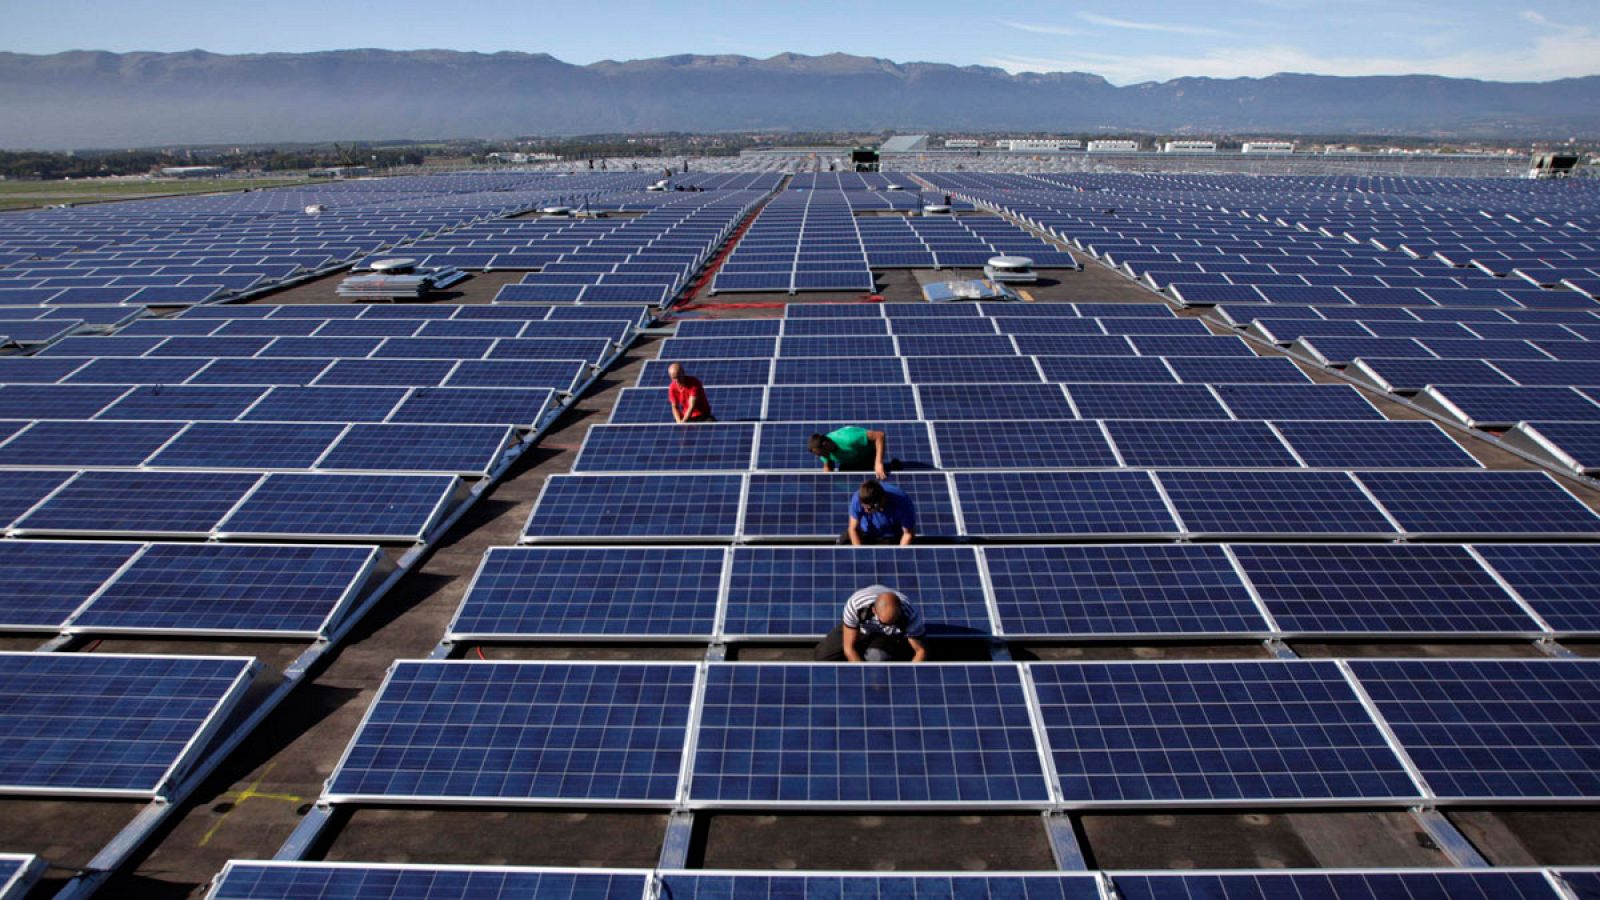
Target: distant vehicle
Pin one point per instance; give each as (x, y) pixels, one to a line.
(1010, 269)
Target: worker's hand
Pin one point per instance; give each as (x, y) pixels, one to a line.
(881, 472)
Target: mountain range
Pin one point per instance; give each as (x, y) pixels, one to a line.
(91, 99)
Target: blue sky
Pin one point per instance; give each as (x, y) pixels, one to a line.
(1127, 41)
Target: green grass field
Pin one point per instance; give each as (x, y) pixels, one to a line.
(25, 194)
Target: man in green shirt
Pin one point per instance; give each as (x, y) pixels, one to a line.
(852, 449)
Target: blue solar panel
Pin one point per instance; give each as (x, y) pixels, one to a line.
(516, 407)
(348, 507)
(949, 325)
(994, 401)
(843, 404)
(1415, 374)
(1200, 445)
(18, 874)
(47, 580)
(87, 444)
(752, 281)
(777, 592)
(833, 347)
(213, 588)
(1375, 445)
(261, 371)
(224, 346)
(815, 886)
(539, 293)
(1146, 401)
(478, 328)
(1297, 401)
(369, 328)
(183, 402)
(714, 373)
(619, 507)
(647, 593)
(556, 375)
(522, 733)
(449, 449)
(1051, 325)
(1190, 345)
(1155, 326)
(20, 491)
(1493, 729)
(1273, 503)
(103, 347)
(971, 369)
(56, 401)
(296, 881)
(1345, 885)
(1559, 581)
(666, 448)
(863, 370)
(325, 404)
(136, 370)
(955, 345)
(1023, 444)
(724, 328)
(1260, 732)
(1486, 349)
(247, 446)
(180, 504)
(1070, 591)
(818, 505)
(388, 372)
(835, 327)
(649, 405)
(309, 348)
(722, 348)
(37, 369)
(1336, 351)
(927, 735)
(833, 310)
(1378, 589)
(1073, 345)
(1480, 503)
(108, 725)
(592, 350)
(1207, 294)
(1030, 504)
(1093, 369)
(1553, 373)
(1503, 407)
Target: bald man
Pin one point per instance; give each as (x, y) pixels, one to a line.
(880, 625)
(687, 396)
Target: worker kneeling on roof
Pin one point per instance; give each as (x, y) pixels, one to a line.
(852, 449)
(880, 514)
(880, 625)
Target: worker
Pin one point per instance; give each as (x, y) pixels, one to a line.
(880, 625)
(880, 514)
(687, 397)
(852, 449)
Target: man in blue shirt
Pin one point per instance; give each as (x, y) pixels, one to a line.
(880, 514)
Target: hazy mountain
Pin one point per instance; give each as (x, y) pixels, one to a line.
(93, 99)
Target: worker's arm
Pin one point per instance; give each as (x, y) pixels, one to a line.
(855, 534)
(907, 535)
(691, 406)
(827, 464)
(921, 649)
(849, 636)
(676, 415)
(880, 445)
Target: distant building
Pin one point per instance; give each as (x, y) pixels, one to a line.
(193, 171)
(1113, 146)
(1189, 147)
(340, 172)
(962, 144)
(1046, 145)
(1267, 147)
(905, 143)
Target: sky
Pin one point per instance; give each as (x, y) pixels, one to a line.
(1127, 41)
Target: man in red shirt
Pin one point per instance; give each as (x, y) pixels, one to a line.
(688, 397)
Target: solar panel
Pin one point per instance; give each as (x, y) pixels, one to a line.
(388, 372)
(993, 401)
(18, 873)
(1023, 444)
(37, 369)
(1504, 407)
(1200, 445)
(591, 350)
(272, 590)
(666, 448)
(819, 370)
(1493, 729)
(136, 370)
(247, 446)
(1553, 373)
(56, 401)
(1104, 590)
(380, 881)
(853, 310)
(835, 327)
(86, 445)
(1365, 884)
(1559, 581)
(515, 407)
(1375, 445)
(646, 593)
(641, 405)
(1480, 503)
(153, 504)
(1273, 503)
(718, 373)
(927, 736)
(1218, 732)
(844, 403)
(342, 507)
(1034, 504)
(834, 347)
(1297, 401)
(1190, 345)
(1336, 351)
(624, 507)
(1379, 589)
(261, 371)
(785, 445)
(723, 348)
(1052, 325)
(447, 449)
(1470, 348)
(955, 345)
(47, 580)
(370, 328)
(1092, 369)
(182, 345)
(1145, 401)
(521, 733)
(1410, 375)
(183, 402)
(701, 885)
(1073, 345)
(1228, 370)
(699, 328)
(815, 505)
(108, 725)
(799, 592)
(971, 369)
(943, 325)
(325, 404)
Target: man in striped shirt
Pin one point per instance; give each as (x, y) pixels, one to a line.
(880, 625)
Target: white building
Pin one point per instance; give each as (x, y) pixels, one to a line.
(1048, 145)
(1267, 147)
(1113, 146)
(962, 144)
(1189, 147)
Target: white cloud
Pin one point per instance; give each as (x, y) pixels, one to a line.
(1159, 27)
(1037, 28)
